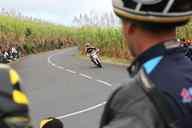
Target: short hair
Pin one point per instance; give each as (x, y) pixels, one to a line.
(154, 27)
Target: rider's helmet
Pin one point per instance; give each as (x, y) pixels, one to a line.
(87, 45)
(14, 112)
(172, 12)
(51, 122)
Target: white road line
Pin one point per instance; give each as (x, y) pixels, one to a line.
(86, 76)
(71, 71)
(104, 82)
(53, 65)
(60, 67)
(82, 111)
(83, 75)
(49, 59)
(50, 62)
(51, 56)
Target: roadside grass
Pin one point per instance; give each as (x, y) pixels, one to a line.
(32, 35)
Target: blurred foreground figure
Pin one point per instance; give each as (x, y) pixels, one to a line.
(159, 94)
(51, 122)
(14, 112)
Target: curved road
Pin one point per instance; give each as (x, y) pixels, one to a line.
(61, 85)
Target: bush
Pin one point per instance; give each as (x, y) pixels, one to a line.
(28, 47)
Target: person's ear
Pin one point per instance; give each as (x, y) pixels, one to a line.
(128, 28)
(131, 29)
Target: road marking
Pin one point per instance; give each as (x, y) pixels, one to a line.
(51, 56)
(82, 111)
(49, 59)
(60, 67)
(71, 71)
(53, 65)
(86, 76)
(104, 82)
(83, 75)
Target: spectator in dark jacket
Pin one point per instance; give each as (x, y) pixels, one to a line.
(159, 94)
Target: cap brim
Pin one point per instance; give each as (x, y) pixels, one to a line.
(150, 18)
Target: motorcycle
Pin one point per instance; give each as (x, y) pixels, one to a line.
(95, 58)
(4, 58)
(189, 52)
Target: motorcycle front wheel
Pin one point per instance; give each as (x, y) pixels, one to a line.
(99, 63)
(96, 62)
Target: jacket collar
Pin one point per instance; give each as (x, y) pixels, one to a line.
(161, 49)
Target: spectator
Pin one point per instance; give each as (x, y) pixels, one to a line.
(159, 92)
(14, 112)
(51, 122)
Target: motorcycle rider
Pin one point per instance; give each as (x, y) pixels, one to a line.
(89, 49)
(92, 54)
(159, 94)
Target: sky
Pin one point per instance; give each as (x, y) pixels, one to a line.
(56, 11)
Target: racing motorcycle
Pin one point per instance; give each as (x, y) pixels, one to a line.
(95, 58)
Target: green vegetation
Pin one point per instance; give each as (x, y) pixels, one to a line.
(185, 32)
(33, 36)
(109, 40)
(37, 36)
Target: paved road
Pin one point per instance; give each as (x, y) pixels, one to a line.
(62, 85)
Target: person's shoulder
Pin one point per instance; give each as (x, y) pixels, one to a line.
(128, 93)
(173, 65)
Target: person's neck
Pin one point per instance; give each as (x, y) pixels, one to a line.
(146, 43)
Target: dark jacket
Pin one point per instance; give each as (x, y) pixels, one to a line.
(169, 73)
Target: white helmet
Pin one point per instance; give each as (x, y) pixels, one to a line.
(155, 11)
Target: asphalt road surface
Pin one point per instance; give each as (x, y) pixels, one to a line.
(61, 85)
